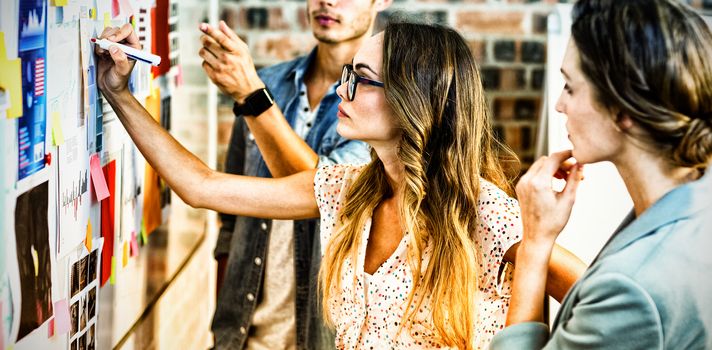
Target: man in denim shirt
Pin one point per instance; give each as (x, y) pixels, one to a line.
(267, 269)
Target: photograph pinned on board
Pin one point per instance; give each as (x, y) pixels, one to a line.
(83, 312)
(79, 315)
(79, 275)
(84, 267)
(82, 271)
(91, 303)
(91, 340)
(82, 342)
(75, 281)
(92, 266)
(74, 318)
(33, 258)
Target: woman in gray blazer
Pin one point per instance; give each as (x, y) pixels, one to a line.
(638, 94)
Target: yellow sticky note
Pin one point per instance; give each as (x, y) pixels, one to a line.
(58, 3)
(87, 240)
(107, 20)
(150, 83)
(35, 260)
(126, 253)
(112, 279)
(11, 80)
(142, 233)
(57, 134)
(144, 236)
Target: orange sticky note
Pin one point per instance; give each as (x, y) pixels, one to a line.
(89, 237)
(61, 317)
(151, 188)
(57, 134)
(11, 80)
(126, 254)
(97, 177)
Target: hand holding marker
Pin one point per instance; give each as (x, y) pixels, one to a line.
(132, 53)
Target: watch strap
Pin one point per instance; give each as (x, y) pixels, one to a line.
(255, 104)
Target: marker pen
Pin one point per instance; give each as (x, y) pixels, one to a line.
(132, 53)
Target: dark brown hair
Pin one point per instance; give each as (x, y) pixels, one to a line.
(652, 61)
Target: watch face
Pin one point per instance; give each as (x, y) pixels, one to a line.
(255, 104)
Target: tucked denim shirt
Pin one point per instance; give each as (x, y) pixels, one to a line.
(246, 239)
(649, 287)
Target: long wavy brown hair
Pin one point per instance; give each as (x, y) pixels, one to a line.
(433, 85)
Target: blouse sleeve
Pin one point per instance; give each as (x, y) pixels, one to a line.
(499, 229)
(330, 185)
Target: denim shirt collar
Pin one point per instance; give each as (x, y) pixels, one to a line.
(300, 68)
(296, 75)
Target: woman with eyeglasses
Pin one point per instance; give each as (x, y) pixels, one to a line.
(415, 243)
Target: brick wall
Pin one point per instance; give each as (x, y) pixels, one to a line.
(508, 38)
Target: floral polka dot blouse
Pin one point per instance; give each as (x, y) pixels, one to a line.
(368, 309)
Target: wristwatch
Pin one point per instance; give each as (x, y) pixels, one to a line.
(255, 104)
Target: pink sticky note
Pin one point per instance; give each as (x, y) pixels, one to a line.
(62, 323)
(97, 177)
(50, 328)
(179, 75)
(126, 8)
(134, 244)
(115, 8)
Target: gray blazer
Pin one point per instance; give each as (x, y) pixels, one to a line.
(649, 288)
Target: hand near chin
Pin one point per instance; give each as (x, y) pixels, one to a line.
(545, 211)
(113, 66)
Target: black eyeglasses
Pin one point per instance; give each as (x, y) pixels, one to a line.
(349, 76)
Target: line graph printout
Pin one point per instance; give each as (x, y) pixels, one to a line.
(64, 98)
(73, 195)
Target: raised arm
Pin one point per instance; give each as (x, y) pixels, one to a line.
(544, 214)
(199, 186)
(227, 62)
